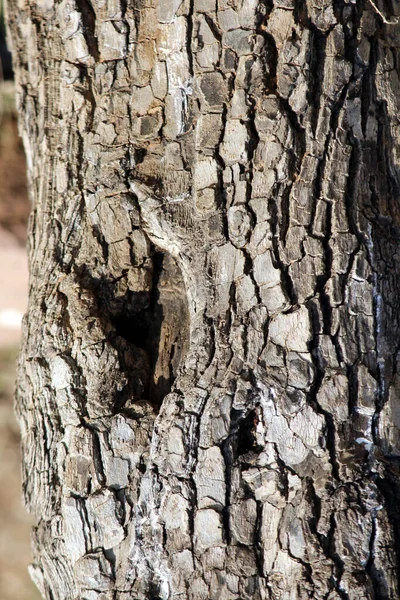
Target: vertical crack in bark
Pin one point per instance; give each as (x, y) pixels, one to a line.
(317, 70)
(269, 52)
(89, 27)
(283, 268)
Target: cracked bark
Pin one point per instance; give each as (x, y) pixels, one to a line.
(209, 378)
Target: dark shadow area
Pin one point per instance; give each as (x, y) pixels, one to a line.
(149, 329)
(243, 433)
(6, 71)
(246, 435)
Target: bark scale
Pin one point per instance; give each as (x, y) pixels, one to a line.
(209, 379)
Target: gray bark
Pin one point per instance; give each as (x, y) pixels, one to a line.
(209, 380)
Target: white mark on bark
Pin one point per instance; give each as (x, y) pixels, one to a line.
(393, 21)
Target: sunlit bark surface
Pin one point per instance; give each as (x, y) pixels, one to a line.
(210, 374)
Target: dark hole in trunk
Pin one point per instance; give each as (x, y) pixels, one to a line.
(245, 429)
(150, 329)
(158, 325)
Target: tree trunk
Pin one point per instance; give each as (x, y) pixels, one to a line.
(209, 379)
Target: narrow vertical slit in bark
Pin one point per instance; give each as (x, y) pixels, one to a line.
(285, 211)
(275, 230)
(252, 142)
(331, 553)
(190, 36)
(350, 197)
(89, 27)
(269, 61)
(352, 376)
(370, 567)
(325, 304)
(389, 487)
(102, 243)
(97, 458)
(263, 11)
(317, 68)
(226, 450)
(330, 428)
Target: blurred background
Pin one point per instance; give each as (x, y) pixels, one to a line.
(15, 523)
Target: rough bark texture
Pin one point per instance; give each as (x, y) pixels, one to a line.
(210, 374)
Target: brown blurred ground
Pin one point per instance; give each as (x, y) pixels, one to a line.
(14, 205)
(15, 524)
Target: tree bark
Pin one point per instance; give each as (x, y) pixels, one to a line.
(209, 379)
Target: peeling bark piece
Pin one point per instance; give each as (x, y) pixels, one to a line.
(270, 523)
(112, 38)
(207, 529)
(74, 537)
(208, 131)
(237, 40)
(210, 479)
(243, 521)
(292, 330)
(233, 148)
(228, 19)
(105, 526)
(93, 572)
(205, 174)
(239, 223)
(167, 10)
(214, 89)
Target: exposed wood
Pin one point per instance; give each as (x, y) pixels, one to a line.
(214, 184)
